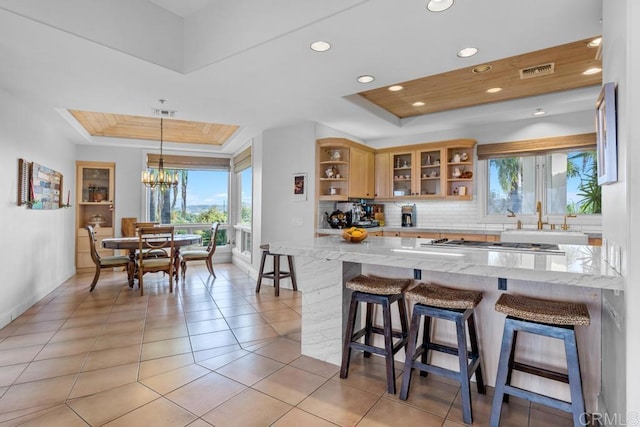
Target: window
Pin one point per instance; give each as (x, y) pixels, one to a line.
(246, 199)
(560, 172)
(565, 181)
(244, 196)
(201, 197)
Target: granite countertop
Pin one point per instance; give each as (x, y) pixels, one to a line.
(578, 265)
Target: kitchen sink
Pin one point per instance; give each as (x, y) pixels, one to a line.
(545, 236)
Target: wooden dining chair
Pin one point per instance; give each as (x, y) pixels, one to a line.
(104, 261)
(205, 255)
(150, 240)
(138, 225)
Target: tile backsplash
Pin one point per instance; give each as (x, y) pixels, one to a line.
(443, 214)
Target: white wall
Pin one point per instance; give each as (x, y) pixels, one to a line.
(38, 246)
(631, 141)
(620, 204)
(285, 152)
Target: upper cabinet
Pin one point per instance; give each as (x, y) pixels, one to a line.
(345, 169)
(382, 176)
(460, 172)
(361, 174)
(425, 171)
(417, 173)
(437, 170)
(94, 206)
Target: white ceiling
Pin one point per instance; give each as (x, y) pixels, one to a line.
(248, 62)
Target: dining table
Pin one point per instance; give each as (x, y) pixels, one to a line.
(132, 244)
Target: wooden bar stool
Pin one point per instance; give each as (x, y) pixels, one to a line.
(383, 291)
(555, 319)
(276, 274)
(457, 305)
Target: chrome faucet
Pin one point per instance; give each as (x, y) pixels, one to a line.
(512, 214)
(539, 212)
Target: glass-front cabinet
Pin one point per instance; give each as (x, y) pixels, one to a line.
(417, 173)
(94, 206)
(430, 171)
(403, 167)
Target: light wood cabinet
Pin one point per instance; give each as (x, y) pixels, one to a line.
(95, 194)
(361, 174)
(382, 176)
(427, 171)
(417, 173)
(345, 169)
(595, 241)
(460, 172)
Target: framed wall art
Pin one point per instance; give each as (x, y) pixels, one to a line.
(40, 187)
(606, 135)
(299, 187)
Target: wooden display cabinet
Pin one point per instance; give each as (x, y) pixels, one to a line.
(460, 172)
(429, 171)
(345, 169)
(417, 173)
(95, 193)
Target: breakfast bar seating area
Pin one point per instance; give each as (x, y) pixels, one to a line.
(112, 356)
(327, 264)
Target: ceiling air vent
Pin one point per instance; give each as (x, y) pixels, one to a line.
(537, 70)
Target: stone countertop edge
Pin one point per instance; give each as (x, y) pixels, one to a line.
(579, 265)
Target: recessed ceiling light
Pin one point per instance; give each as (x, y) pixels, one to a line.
(481, 68)
(418, 104)
(395, 88)
(539, 112)
(494, 90)
(439, 5)
(595, 42)
(467, 52)
(590, 71)
(365, 78)
(320, 46)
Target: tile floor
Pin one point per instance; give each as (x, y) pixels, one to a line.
(212, 353)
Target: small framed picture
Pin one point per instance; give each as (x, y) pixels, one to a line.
(299, 187)
(606, 139)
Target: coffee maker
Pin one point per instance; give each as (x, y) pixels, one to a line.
(409, 215)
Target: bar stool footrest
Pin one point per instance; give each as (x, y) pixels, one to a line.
(453, 351)
(546, 373)
(272, 275)
(538, 398)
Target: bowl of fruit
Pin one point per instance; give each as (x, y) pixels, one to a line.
(354, 234)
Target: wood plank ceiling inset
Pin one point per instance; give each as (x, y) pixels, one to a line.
(140, 127)
(464, 88)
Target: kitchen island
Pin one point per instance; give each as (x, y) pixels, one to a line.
(323, 265)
